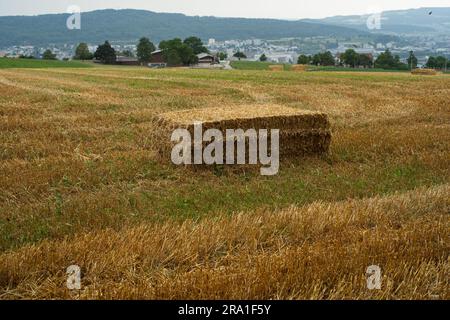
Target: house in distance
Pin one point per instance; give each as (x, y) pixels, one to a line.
(157, 60)
(127, 61)
(207, 59)
(204, 60)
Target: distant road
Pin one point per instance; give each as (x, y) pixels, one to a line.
(227, 65)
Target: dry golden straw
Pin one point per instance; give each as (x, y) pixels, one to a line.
(318, 251)
(424, 72)
(80, 184)
(276, 67)
(301, 132)
(299, 67)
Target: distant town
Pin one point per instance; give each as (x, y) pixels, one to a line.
(277, 51)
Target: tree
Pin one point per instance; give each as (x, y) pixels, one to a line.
(223, 55)
(48, 55)
(398, 64)
(412, 60)
(328, 59)
(196, 45)
(105, 53)
(431, 63)
(263, 58)
(82, 52)
(387, 61)
(316, 59)
(127, 53)
(350, 58)
(144, 50)
(240, 55)
(172, 58)
(440, 62)
(304, 59)
(323, 59)
(364, 60)
(177, 53)
(187, 55)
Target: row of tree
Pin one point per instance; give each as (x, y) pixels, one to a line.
(388, 61)
(349, 58)
(385, 60)
(353, 59)
(438, 62)
(175, 51)
(322, 59)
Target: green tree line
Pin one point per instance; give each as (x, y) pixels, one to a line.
(176, 52)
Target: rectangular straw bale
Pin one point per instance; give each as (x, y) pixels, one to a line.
(305, 142)
(424, 72)
(301, 132)
(299, 67)
(276, 67)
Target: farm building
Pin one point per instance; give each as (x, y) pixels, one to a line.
(157, 56)
(206, 58)
(127, 61)
(157, 60)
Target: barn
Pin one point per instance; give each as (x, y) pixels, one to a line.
(127, 61)
(158, 60)
(206, 58)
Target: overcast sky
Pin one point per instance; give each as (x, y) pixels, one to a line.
(284, 9)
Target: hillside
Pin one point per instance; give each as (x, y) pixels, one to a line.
(412, 21)
(130, 25)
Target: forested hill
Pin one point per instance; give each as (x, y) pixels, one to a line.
(428, 21)
(129, 25)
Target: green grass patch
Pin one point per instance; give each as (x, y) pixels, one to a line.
(255, 65)
(334, 68)
(6, 63)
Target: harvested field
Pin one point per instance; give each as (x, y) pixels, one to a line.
(82, 183)
(313, 252)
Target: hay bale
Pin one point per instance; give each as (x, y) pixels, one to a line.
(301, 132)
(276, 67)
(424, 72)
(299, 67)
